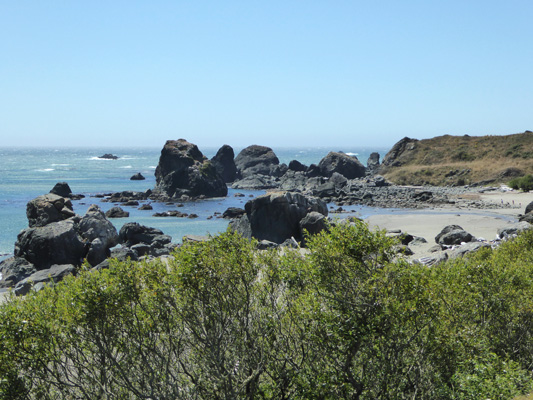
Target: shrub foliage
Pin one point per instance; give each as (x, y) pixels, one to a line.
(222, 321)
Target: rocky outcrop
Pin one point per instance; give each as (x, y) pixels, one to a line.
(372, 163)
(401, 150)
(297, 166)
(137, 177)
(348, 166)
(61, 189)
(108, 156)
(224, 163)
(183, 171)
(257, 160)
(13, 270)
(233, 212)
(453, 235)
(48, 208)
(116, 212)
(276, 217)
(145, 240)
(40, 278)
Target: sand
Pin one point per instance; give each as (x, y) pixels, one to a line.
(482, 223)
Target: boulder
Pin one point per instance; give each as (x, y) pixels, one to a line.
(256, 160)
(116, 212)
(400, 151)
(313, 223)
(184, 171)
(256, 182)
(276, 216)
(133, 233)
(95, 225)
(297, 166)
(53, 274)
(137, 177)
(529, 208)
(48, 208)
(348, 166)
(453, 235)
(233, 212)
(13, 270)
(466, 248)
(55, 243)
(224, 163)
(108, 156)
(61, 189)
(372, 163)
(513, 230)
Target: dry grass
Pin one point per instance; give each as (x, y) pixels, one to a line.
(464, 160)
(526, 397)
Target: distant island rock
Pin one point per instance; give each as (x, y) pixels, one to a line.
(137, 177)
(109, 156)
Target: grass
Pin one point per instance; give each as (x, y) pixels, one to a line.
(463, 160)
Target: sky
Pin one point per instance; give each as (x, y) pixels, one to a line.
(276, 73)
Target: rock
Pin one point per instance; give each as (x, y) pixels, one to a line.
(55, 243)
(95, 225)
(233, 212)
(48, 208)
(184, 171)
(297, 166)
(141, 249)
(109, 156)
(97, 253)
(453, 234)
(348, 166)
(133, 233)
(194, 238)
(116, 212)
(401, 150)
(61, 189)
(53, 274)
(513, 230)
(460, 251)
(123, 254)
(266, 244)
(372, 163)
(313, 223)
(257, 182)
(137, 177)
(276, 216)
(256, 160)
(130, 203)
(526, 218)
(437, 258)
(403, 249)
(417, 240)
(146, 207)
(13, 270)
(529, 208)
(224, 163)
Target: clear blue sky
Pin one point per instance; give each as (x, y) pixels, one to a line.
(278, 73)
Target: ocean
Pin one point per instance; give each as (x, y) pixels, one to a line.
(26, 173)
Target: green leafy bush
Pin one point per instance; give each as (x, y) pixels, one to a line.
(524, 183)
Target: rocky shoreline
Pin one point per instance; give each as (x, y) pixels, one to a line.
(57, 241)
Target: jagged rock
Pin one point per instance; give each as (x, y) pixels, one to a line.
(514, 229)
(55, 243)
(61, 189)
(348, 166)
(297, 166)
(137, 177)
(95, 225)
(460, 251)
(13, 270)
(399, 151)
(184, 171)
(133, 233)
(233, 212)
(48, 208)
(224, 163)
(372, 163)
(53, 274)
(453, 234)
(276, 216)
(256, 160)
(117, 212)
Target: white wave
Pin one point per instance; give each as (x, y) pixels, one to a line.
(100, 159)
(127, 167)
(152, 167)
(60, 165)
(352, 154)
(45, 170)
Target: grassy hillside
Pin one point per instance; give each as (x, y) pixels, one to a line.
(460, 160)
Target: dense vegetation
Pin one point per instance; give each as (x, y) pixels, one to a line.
(464, 160)
(222, 321)
(524, 183)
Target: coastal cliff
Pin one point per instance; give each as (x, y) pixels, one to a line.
(459, 160)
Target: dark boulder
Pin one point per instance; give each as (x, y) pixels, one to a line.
(514, 229)
(55, 243)
(313, 223)
(108, 156)
(297, 166)
(233, 212)
(116, 212)
(13, 270)
(224, 163)
(276, 217)
(401, 151)
(137, 177)
(47, 209)
(95, 225)
(453, 235)
(529, 208)
(372, 163)
(256, 160)
(133, 233)
(184, 171)
(38, 279)
(61, 189)
(348, 166)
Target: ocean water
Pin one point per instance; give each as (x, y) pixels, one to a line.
(26, 173)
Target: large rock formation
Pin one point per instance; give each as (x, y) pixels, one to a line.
(48, 208)
(276, 217)
(348, 166)
(184, 171)
(257, 160)
(401, 150)
(224, 163)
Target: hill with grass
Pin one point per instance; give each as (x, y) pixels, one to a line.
(459, 160)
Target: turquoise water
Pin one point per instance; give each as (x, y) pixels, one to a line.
(26, 173)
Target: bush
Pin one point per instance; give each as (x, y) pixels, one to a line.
(524, 183)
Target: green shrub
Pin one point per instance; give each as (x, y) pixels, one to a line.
(524, 183)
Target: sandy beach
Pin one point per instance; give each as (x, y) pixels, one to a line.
(482, 223)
